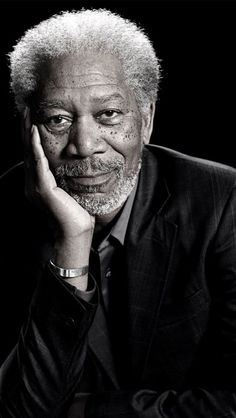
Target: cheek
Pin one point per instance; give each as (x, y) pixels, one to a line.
(52, 146)
(126, 139)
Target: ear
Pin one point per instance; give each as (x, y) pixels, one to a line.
(147, 122)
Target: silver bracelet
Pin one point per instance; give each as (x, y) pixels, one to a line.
(69, 273)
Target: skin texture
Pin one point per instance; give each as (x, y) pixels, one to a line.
(85, 119)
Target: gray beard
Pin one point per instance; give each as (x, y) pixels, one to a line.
(97, 205)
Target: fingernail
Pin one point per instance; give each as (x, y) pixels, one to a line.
(25, 112)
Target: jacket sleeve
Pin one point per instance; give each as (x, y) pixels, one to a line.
(39, 377)
(214, 394)
(146, 403)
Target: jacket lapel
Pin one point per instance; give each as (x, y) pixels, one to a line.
(149, 248)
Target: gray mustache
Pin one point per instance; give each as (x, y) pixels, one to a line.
(88, 167)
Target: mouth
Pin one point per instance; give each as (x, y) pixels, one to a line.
(88, 184)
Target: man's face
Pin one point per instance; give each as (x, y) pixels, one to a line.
(91, 130)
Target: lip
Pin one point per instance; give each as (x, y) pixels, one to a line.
(99, 180)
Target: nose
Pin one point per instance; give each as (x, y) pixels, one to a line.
(85, 139)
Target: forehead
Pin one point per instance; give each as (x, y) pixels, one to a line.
(70, 75)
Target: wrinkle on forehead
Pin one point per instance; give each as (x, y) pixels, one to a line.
(55, 84)
(93, 73)
(55, 103)
(72, 78)
(83, 70)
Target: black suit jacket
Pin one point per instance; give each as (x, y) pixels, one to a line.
(179, 273)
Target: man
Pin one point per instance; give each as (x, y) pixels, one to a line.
(124, 252)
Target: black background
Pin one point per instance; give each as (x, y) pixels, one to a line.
(196, 41)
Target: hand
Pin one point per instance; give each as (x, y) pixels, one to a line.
(74, 225)
(41, 187)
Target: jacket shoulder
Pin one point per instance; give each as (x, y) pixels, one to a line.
(181, 168)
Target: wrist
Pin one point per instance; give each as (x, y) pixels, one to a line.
(76, 276)
(68, 273)
(75, 232)
(72, 253)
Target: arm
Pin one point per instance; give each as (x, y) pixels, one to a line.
(39, 376)
(72, 224)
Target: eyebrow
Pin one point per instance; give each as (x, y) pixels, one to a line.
(108, 97)
(47, 104)
(42, 104)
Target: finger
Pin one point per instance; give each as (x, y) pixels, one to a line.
(26, 126)
(38, 154)
(31, 157)
(26, 138)
(44, 176)
(33, 154)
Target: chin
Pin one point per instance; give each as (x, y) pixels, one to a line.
(105, 204)
(100, 205)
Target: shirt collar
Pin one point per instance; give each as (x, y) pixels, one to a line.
(118, 231)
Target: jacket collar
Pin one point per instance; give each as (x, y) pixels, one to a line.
(149, 246)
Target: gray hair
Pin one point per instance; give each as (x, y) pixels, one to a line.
(78, 32)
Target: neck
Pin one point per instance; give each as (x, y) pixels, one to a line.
(102, 221)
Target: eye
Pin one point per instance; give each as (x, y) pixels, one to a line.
(58, 123)
(109, 116)
(110, 113)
